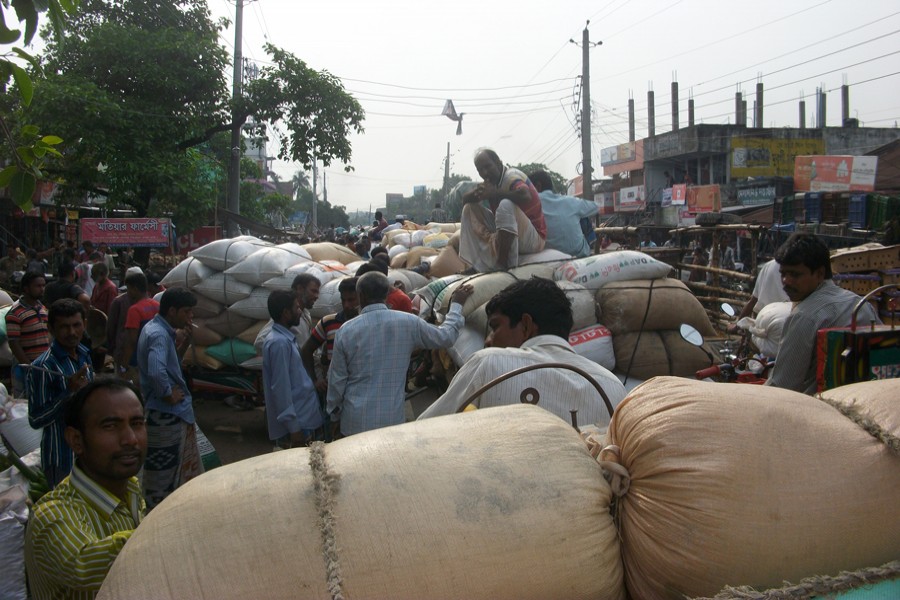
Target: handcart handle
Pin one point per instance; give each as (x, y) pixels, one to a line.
(865, 299)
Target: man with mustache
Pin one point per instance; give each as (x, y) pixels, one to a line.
(818, 304)
(77, 530)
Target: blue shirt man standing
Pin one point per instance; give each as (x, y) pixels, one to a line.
(55, 375)
(563, 215)
(292, 404)
(173, 456)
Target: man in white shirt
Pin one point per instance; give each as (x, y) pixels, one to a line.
(767, 290)
(530, 323)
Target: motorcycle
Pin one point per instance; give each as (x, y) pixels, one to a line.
(736, 363)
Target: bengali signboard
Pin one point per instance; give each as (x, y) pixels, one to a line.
(630, 199)
(757, 195)
(136, 232)
(197, 238)
(679, 194)
(835, 173)
(766, 157)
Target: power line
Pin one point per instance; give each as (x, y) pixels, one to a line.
(421, 89)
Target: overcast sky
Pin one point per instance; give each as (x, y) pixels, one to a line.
(510, 67)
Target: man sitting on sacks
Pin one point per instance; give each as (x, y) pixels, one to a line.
(563, 215)
(491, 239)
(530, 322)
(818, 304)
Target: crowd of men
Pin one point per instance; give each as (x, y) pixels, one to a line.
(344, 375)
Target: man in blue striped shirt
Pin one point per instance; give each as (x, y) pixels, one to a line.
(173, 457)
(367, 377)
(60, 371)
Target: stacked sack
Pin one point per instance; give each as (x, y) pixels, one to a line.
(232, 279)
(518, 489)
(643, 309)
(7, 359)
(411, 245)
(740, 485)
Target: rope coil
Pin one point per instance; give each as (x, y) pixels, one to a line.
(324, 491)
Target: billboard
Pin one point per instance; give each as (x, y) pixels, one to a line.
(630, 199)
(624, 157)
(766, 157)
(605, 201)
(679, 194)
(835, 173)
(137, 232)
(617, 154)
(198, 237)
(703, 198)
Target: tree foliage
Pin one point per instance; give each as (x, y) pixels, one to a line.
(25, 148)
(559, 182)
(141, 91)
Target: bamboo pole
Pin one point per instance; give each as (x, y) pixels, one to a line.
(725, 272)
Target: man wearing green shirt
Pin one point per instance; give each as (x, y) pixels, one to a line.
(78, 529)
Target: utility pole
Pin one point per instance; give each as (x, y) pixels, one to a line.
(315, 170)
(233, 197)
(446, 189)
(587, 171)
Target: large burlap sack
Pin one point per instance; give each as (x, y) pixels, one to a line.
(470, 341)
(658, 353)
(415, 255)
(547, 255)
(432, 290)
(223, 288)
(196, 356)
(508, 504)
(255, 306)
(229, 324)
(447, 263)
(478, 320)
(593, 272)
(7, 358)
(206, 308)
(320, 251)
(584, 309)
(416, 280)
(186, 274)
(321, 271)
(768, 326)
(484, 285)
(395, 250)
(666, 302)
(873, 400)
(544, 270)
(328, 302)
(436, 240)
(222, 254)
(203, 335)
(733, 484)
(443, 227)
(250, 334)
(266, 263)
(399, 261)
(5, 299)
(595, 343)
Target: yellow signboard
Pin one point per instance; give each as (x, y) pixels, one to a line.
(764, 157)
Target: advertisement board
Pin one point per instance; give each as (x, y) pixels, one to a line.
(617, 154)
(624, 157)
(765, 157)
(606, 203)
(703, 198)
(679, 194)
(629, 199)
(835, 173)
(136, 232)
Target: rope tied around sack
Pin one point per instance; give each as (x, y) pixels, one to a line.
(608, 457)
(817, 586)
(324, 490)
(867, 423)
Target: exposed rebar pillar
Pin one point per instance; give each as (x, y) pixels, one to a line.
(691, 112)
(803, 114)
(631, 119)
(674, 106)
(759, 105)
(738, 107)
(845, 104)
(651, 115)
(823, 103)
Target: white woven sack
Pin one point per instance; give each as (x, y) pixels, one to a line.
(264, 264)
(518, 489)
(222, 254)
(223, 288)
(404, 238)
(544, 256)
(329, 301)
(7, 358)
(396, 249)
(595, 343)
(322, 251)
(228, 324)
(766, 332)
(470, 341)
(206, 308)
(298, 251)
(584, 307)
(485, 285)
(417, 238)
(354, 266)
(5, 299)
(544, 270)
(595, 271)
(416, 280)
(187, 274)
(254, 306)
(399, 275)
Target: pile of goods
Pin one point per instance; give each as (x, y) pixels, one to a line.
(694, 487)
(6, 356)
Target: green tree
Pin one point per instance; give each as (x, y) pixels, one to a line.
(300, 181)
(141, 90)
(25, 149)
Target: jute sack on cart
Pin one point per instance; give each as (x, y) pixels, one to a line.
(594, 272)
(320, 251)
(737, 485)
(655, 353)
(666, 302)
(485, 286)
(508, 504)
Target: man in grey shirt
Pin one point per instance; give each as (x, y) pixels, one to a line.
(818, 304)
